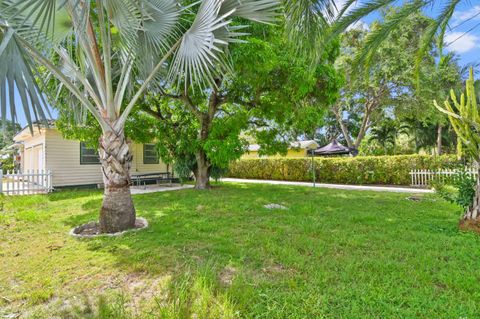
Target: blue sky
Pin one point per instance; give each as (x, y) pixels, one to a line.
(467, 43)
(464, 41)
(463, 37)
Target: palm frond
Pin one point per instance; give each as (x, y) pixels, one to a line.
(306, 23)
(126, 17)
(16, 78)
(199, 55)
(38, 20)
(263, 11)
(439, 24)
(355, 15)
(377, 36)
(159, 30)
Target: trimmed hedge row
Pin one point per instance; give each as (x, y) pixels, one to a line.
(386, 170)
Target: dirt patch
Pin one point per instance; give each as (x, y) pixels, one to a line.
(415, 198)
(274, 269)
(470, 225)
(227, 275)
(92, 229)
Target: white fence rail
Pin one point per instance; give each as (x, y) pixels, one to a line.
(423, 178)
(26, 183)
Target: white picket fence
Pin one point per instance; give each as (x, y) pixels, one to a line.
(26, 183)
(423, 178)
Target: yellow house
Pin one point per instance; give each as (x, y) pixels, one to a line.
(296, 149)
(71, 162)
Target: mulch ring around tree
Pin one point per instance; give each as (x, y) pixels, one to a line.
(92, 229)
(470, 225)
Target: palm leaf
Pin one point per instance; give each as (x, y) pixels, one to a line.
(199, 56)
(16, 78)
(160, 28)
(38, 20)
(264, 11)
(377, 36)
(306, 23)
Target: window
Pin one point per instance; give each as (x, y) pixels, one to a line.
(88, 156)
(150, 155)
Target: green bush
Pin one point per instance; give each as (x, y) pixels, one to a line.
(458, 189)
(387, 170)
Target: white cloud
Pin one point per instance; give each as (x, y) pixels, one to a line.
(464, 44)
(460, 16)
(360, 25)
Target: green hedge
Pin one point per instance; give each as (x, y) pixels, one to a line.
(387, 170)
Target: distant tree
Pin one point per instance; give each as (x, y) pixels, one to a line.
(8, 130)
(391, 85)
(386, 134)
(367, 94)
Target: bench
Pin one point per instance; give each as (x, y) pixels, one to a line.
(153, 178)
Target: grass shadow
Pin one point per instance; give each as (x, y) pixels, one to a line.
(72, 193)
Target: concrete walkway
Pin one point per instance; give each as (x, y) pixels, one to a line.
(392, 189)
(135, 190)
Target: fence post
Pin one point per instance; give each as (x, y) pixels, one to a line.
(1, 180)
(50, 188)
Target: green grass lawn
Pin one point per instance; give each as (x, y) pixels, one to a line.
(221, 254)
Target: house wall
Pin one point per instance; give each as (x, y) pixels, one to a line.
(297, 153)
(63, 159)
(33, 157)
(292, 153)
(139, 167)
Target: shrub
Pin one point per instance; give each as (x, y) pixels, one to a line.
(459, 189)
(387, 170)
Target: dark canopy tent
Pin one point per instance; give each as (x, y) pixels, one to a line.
(334, 148)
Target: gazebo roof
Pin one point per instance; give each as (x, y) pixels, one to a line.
(332, 149)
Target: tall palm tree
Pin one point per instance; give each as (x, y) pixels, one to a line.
(106, 54)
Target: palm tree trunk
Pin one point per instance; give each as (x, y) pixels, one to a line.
(117, 212)
(202, 173)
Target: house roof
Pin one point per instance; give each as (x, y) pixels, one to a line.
(310, 144)
(25, 133)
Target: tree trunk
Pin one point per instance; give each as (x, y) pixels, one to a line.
(363, 128)
(117, 213)
(343, 127)
(439, 139)
(202, 173)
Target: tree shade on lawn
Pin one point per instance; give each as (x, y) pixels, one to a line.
(331, 254)
(106, 54)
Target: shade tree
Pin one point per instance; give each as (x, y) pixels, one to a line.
(270, 98)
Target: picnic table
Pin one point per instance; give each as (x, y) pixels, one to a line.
(153, 178)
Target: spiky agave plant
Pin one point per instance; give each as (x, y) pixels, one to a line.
(464, 116)
(106, 54)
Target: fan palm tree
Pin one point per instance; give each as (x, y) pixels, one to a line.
(106, 54)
